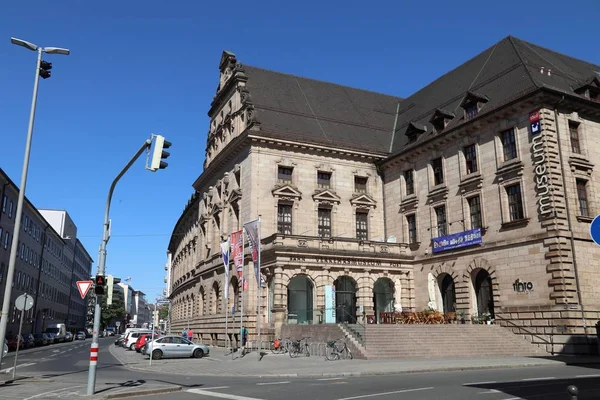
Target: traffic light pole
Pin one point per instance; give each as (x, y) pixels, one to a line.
(102, 268)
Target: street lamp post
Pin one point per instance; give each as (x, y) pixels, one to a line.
(41, 68)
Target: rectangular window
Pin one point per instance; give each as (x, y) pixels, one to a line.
(284, 219)
(475, 211)
(409, 181)
(362, 225)
(27, 254)
(284, 175)
(360, 184)
(4, 201)
(6, 239)
(438, 171)
(442, 226)
(582, 197)
(323, 180)
(574, 135)
(515, 202)
(509, 144)
(471, 110)
(411, 221)
(324, 217)
(22, 250)
(10, 209)
(25, 223)
(471, 158)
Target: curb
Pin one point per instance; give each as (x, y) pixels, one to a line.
(146, 392)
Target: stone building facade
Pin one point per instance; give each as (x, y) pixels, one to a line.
(473, 195)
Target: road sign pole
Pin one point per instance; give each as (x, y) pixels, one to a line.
(14, 371)
(102, 268)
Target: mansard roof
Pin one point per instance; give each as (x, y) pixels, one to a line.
(301, 109)
(510, 69)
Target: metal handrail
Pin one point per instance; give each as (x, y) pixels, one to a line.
(521, 328)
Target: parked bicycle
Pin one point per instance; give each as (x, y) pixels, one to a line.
(298, 347)
(337, 349)
(279, 346)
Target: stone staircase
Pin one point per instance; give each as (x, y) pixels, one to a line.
(321, 334)
(444, 341)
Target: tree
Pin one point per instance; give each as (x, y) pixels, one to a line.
(163, 312)
(112, 312)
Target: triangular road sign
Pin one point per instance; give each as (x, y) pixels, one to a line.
(83, 287)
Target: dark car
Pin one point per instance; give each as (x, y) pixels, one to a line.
(40, 339)
(11, 341)
(80, 335)
(52, 336)
(28, 340)
(68, 337)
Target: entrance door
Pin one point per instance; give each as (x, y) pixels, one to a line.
(483, 291)
(300, 300)
(345, 300)
(448, 294)
(383, 297)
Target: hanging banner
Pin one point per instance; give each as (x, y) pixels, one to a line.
(225, 255)
(237, 243)
(253, 232)
(330, 304)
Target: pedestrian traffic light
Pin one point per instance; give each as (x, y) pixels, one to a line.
(100, 282)
(159, 153)
(45, 68)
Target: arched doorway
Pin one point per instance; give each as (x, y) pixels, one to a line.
(345, 300)
(448, 293)
(483, 293)
(383, 297)
(300, 300)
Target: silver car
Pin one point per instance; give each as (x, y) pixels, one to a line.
(175, 346)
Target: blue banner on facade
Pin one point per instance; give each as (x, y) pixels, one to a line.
(457, 240)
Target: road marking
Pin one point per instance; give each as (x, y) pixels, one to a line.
(545, 378)
(588, 376)
(216, 387)
(385, 393)
(330, 379)
(478, 383)
(52, 391)
(491, 391)
(271, 383)
(219, 395)
(7, 370)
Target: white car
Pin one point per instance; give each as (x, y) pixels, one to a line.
(175, 346)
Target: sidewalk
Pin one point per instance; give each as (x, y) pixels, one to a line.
(282, 365)
(32, 388)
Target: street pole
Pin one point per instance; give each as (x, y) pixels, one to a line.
(14, 371)
(102, 268)
(14, 247)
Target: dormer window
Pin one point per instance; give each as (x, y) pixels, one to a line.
(441, 119)
(590, 89)
(472, 103)
(413, 130)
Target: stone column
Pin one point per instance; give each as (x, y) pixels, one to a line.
(279, 300)
(365, 295)
(324, 278)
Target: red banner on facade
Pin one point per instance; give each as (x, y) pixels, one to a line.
(237, 251)
(534, 116)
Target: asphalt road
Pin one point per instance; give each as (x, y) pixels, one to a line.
(67, 365)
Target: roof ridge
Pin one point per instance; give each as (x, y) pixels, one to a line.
(511, 39)
(555, 52)
(321, 81)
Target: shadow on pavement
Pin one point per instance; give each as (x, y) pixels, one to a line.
(119, 385)
(555, 389)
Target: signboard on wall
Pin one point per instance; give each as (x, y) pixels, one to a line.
(330, 304)
(457, 240)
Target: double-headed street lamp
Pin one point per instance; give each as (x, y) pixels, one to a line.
(42, 68)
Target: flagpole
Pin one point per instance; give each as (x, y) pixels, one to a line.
(242, 307)
(258, 278)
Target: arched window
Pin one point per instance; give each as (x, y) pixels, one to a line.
(300, 300)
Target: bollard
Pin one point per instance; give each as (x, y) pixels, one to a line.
(573, 392)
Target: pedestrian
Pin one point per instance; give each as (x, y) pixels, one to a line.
(244, 336)
(184, 334)
(190, 335)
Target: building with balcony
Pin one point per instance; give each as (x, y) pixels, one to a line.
(474, 194)
(49, 259)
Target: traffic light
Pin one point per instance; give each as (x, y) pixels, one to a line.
(159, 153)
(100, 282)
(45, 68)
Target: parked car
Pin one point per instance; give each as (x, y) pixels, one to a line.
(52, 337)
(119, 340)
(28, 340)
(80, 335)
(40, 339)
(5, 350)
(68, 337)
(129, 341)
(140, 343)
(12, 342)
(175, 346)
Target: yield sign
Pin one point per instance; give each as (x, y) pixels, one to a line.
(83, 287)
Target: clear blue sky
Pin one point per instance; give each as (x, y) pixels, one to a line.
(142, 67)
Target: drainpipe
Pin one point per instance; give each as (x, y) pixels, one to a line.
(569, 221)
(39, 283)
